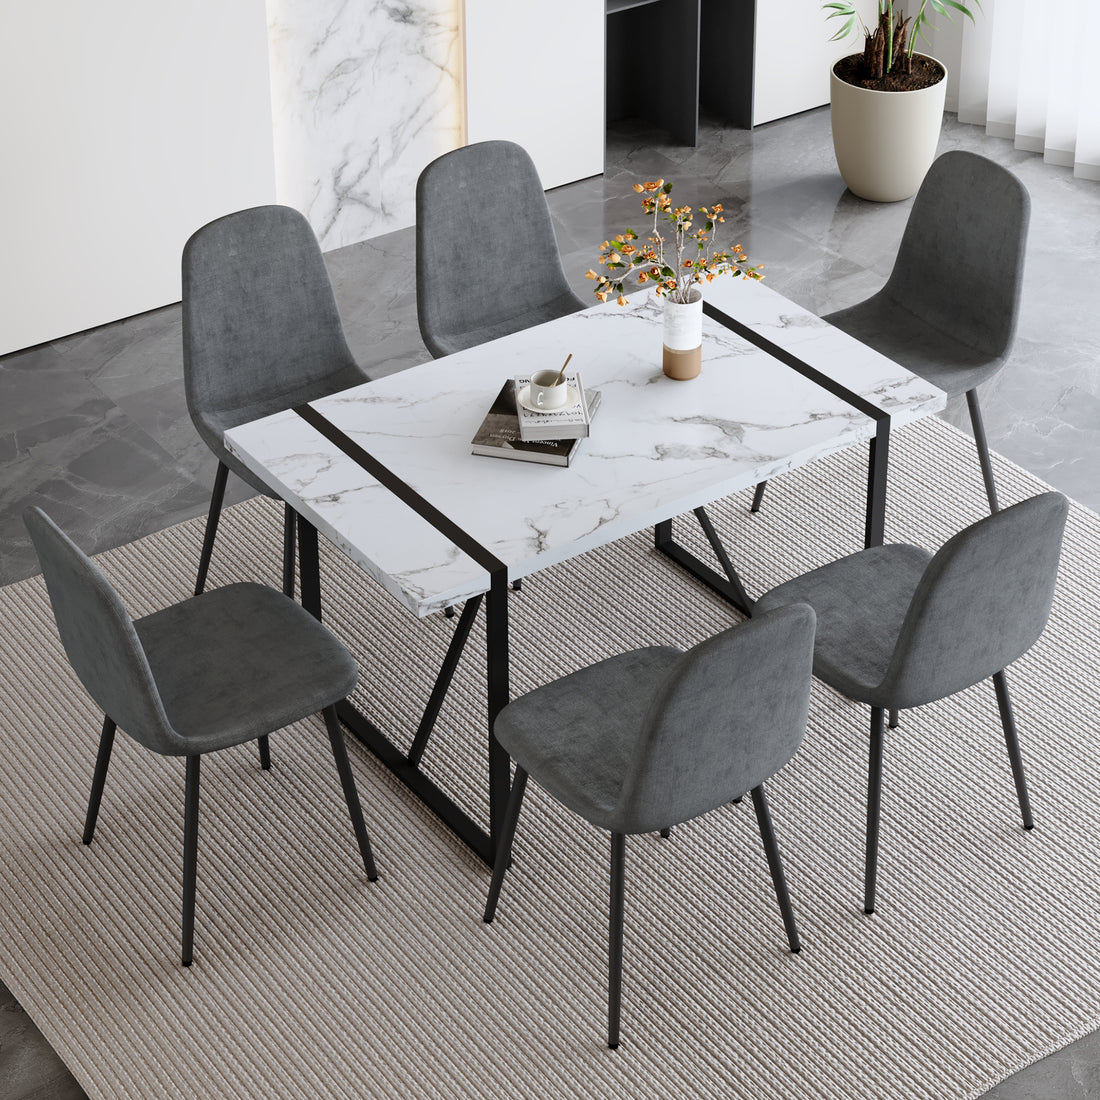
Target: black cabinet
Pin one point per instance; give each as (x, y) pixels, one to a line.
(665, 57)
(653, 64)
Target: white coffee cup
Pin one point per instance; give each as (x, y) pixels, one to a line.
(544, 393)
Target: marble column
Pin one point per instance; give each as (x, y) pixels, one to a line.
(364, 95)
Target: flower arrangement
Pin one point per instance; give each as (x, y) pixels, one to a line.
(672, 276)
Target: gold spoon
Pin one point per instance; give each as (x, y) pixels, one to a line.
(561, 373)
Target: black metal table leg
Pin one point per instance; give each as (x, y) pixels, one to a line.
(395, 760)
(309, 564)
(875, 529)
(496, 629)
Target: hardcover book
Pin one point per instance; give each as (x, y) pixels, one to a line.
(499, 436)
(570, 422)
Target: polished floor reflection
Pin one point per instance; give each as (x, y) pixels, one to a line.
(94, 427)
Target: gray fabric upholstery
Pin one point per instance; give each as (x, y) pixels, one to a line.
(898, 628)
(655, 737)
(261, 329)
(948, 311)
(213, 671)
(99, 637)
(256, 662)
(487, 261)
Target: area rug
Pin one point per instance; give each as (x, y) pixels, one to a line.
(310, 982)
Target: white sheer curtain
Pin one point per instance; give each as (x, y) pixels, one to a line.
(1029, 73)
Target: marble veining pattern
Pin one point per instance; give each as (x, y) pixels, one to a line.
(658, 448)
(364, 95)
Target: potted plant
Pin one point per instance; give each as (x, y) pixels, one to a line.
(887, 102)
(675, 276)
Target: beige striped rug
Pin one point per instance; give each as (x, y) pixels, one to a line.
(310, 982)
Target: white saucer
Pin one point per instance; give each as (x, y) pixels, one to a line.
(571, 399)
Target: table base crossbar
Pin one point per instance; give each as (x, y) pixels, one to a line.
(394, 760)
(729, 587)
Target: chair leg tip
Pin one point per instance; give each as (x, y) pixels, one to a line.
(614, 1045)
(868, 912)
(185, 962)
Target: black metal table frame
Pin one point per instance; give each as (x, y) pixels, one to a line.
(729, 587)
(405, 765)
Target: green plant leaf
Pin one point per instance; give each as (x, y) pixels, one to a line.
(939, 6)
(843, 30)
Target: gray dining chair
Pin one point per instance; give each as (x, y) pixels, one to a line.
(655, 737)
(948, 311)
(898, 627)
(261, 333)
(487, 261)
(214, 671)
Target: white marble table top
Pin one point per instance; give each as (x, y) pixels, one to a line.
(657, 448)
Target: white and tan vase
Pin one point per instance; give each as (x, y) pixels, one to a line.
(885, 142)
(683, 337)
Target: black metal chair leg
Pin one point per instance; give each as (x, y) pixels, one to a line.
(289, 531)
(874, 805)
(983, 448)
(775, 865)
(1012, 743)
(351, 795)
(507, 835)
(216, 498)
(190, 856)
(666, 832)
(615, 939)
(265, 753)
(893, 723)
(102, 762)
(758, 496)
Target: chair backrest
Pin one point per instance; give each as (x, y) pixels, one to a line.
(485, 243)
(982, 602)
(960, 263)
(730, 715)
(260, 319)
(99, 637)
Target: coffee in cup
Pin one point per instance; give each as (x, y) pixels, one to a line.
(548, 390)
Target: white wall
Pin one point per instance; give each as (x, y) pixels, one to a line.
(794, 55)
(534, 75)
(126, 125)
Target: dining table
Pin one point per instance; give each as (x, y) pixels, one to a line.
(385, 472)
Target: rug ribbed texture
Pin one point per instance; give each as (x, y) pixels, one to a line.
(310, 982)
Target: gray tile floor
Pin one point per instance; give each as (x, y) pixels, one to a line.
(94, 427)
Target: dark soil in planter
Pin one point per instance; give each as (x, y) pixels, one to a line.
(926, 72)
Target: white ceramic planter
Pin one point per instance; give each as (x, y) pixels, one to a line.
(885, 142)
(683, 337)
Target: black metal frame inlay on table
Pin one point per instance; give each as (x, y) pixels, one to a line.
(405, 765)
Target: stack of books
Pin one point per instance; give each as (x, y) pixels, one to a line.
(513, 430)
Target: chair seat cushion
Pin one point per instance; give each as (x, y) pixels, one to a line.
(937, 356)
(576, 734)
(255, 661)
(861, 601)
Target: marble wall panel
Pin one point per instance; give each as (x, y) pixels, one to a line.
(364, 95)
